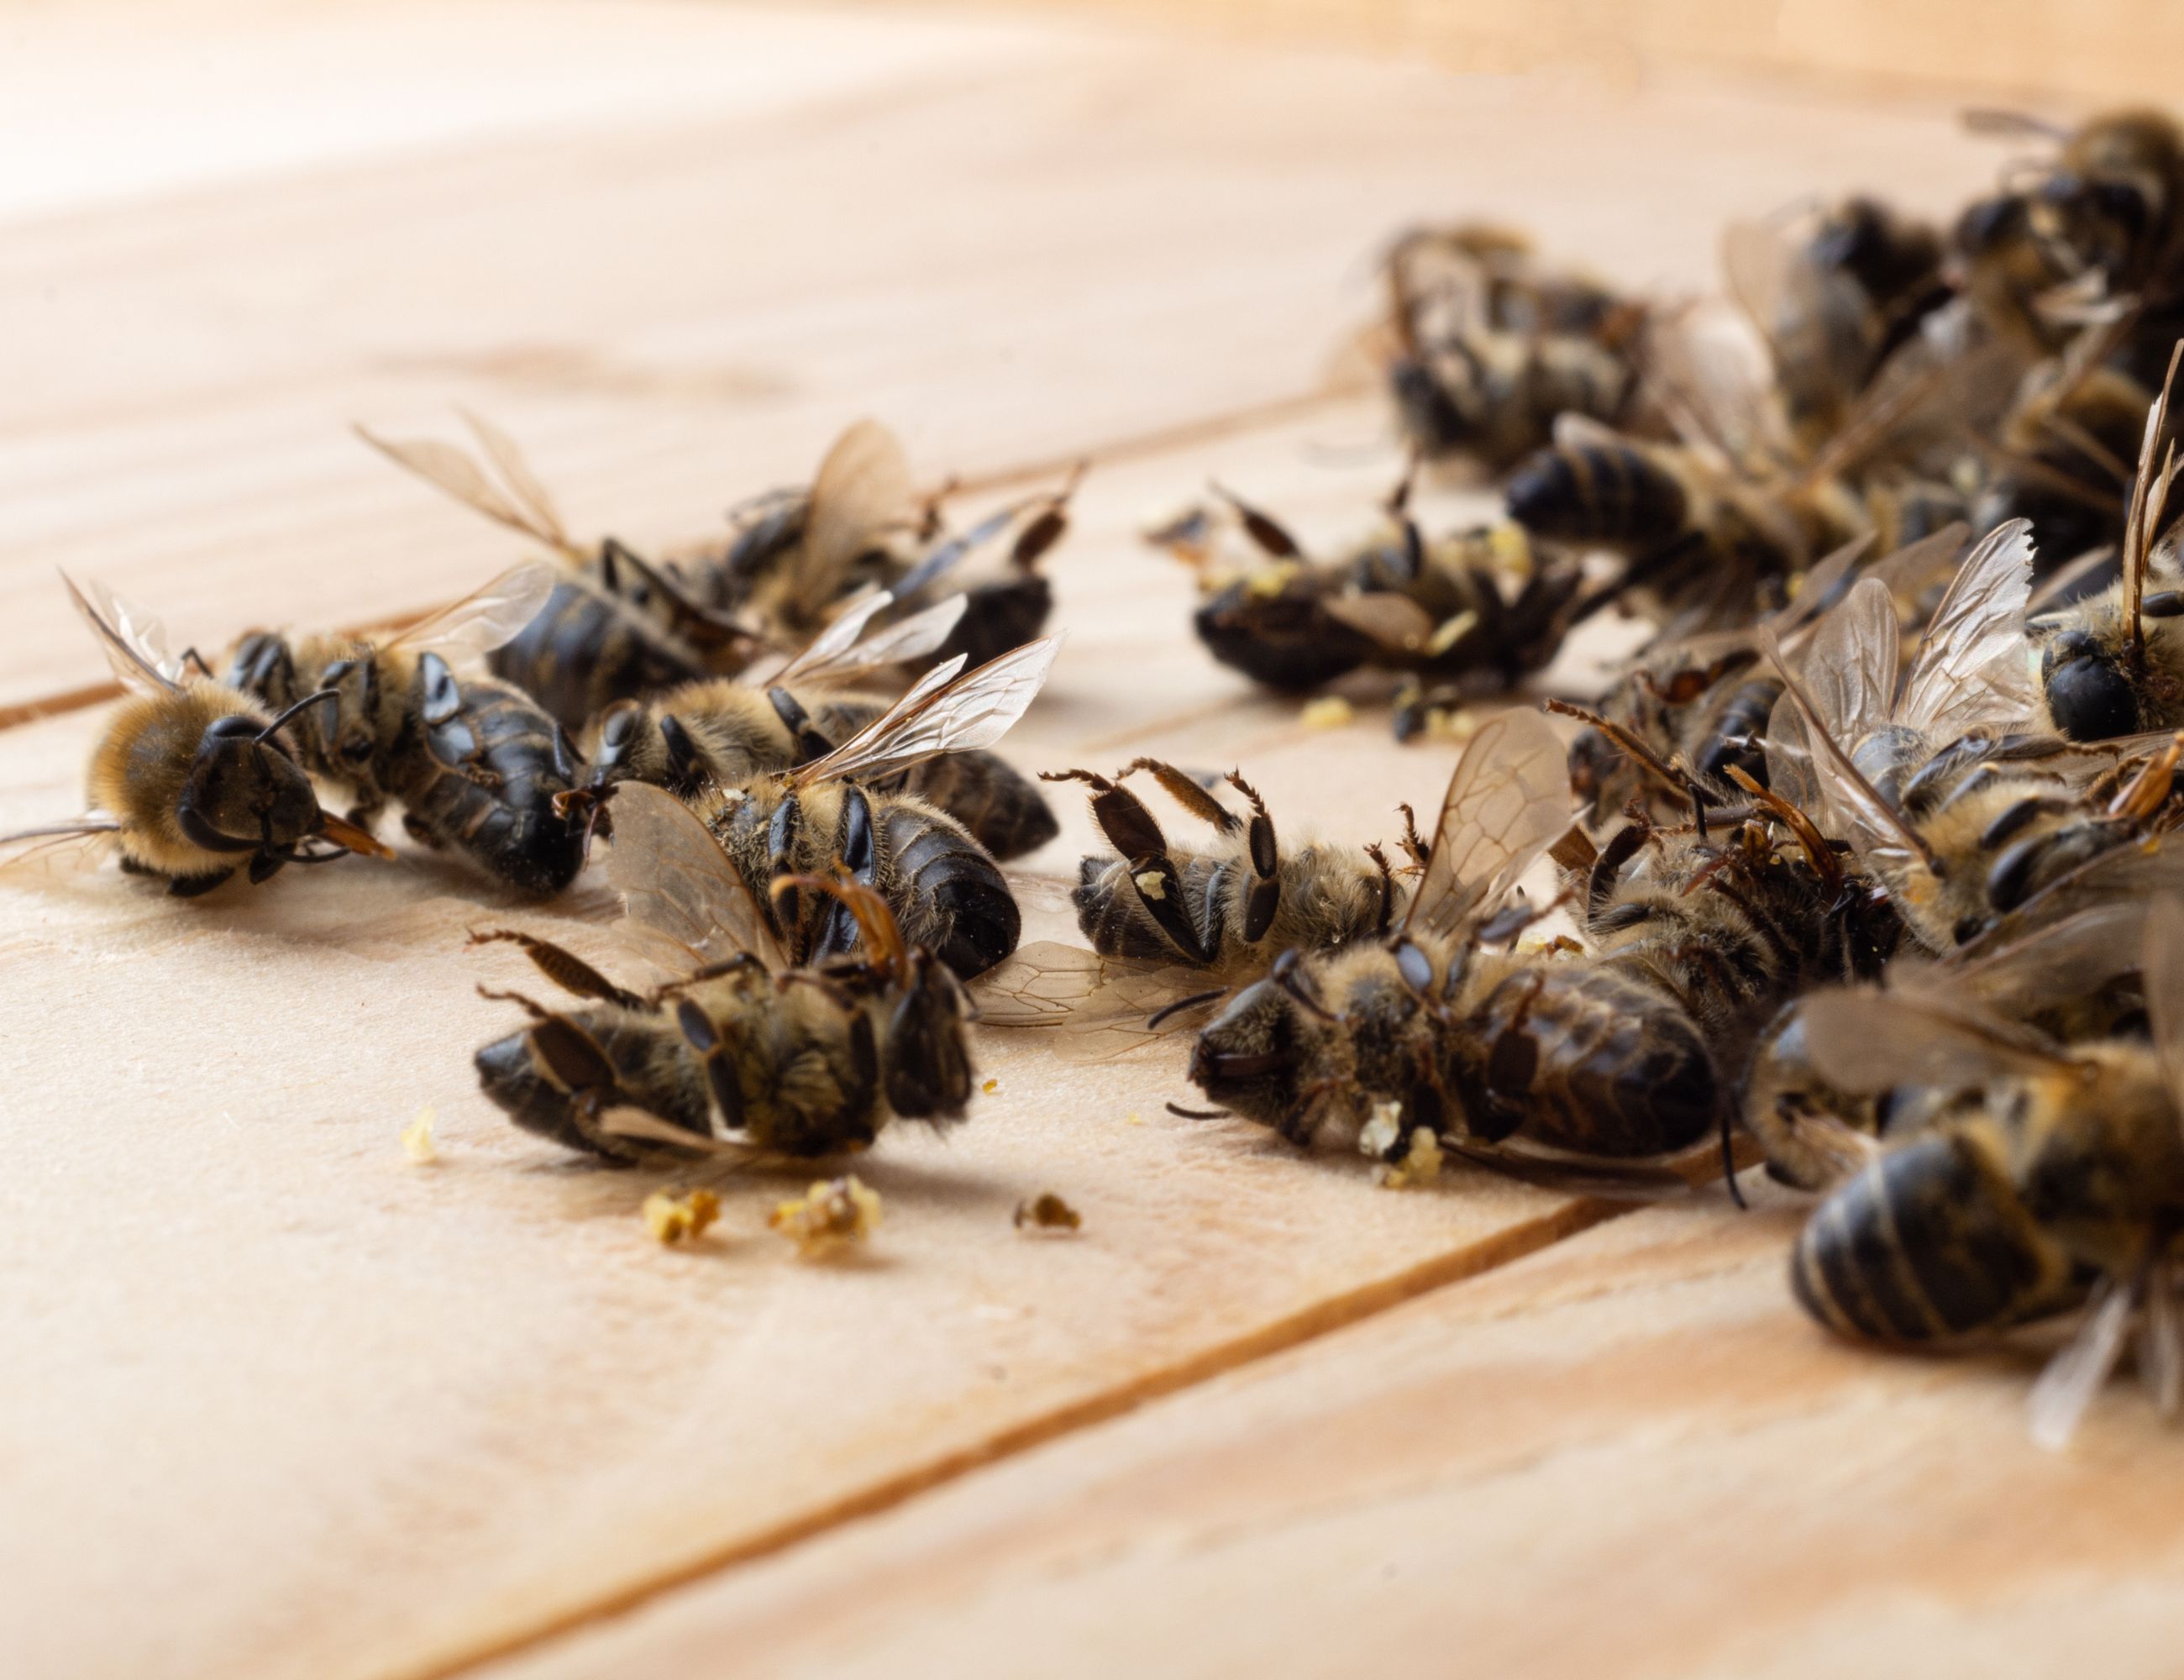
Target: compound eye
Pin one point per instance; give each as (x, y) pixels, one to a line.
(620, 729)
(2090, 701)
(235, 725)
(2072, 645)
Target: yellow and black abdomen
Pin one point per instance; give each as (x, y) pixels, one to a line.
(1930, 1241)
(1617, 494)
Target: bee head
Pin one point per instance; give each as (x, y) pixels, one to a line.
(2086, 691)
(2102, 220)
(244, 790)
(1249, 1058)
(1598, 771)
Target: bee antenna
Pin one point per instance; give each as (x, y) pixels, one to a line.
(308, 700)
(1729, 1162)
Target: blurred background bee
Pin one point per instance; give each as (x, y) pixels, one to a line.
(2060, 1181)
(741, 1053)
(190, 778)
(476, 767)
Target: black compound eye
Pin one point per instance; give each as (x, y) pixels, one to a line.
(233, 725)
(2090, 701)
(2070, 646)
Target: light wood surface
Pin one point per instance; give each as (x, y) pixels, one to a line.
(284, 1404)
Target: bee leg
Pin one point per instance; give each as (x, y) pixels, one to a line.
(1387, 913)
(684, 761)
(567, 971)
(193, 886)
(1126, 826)
(1289, 975)
(928, 1071)
(1265, 897)
(570, 1060)
(725, 1090)
(265, 866)
(859, 853)
(810, 743)
(418, 829)
(1186, 791)
(781, 837)
(566, 763)
(1607, 868)
(1415, 847)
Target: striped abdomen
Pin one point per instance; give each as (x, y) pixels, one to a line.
(1930, 1241)
(485, 784)
(1614, 493)
(584, 651)
(1585, 1057)
(1003, 807)
(948, 894)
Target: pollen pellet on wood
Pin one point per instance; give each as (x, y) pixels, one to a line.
(1329, 711)
(417, 1137)
(673, 1219)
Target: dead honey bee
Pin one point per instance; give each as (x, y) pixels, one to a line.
(744, 1053)
(615, 627)
(2109, 203)
(474, 764)
(2066, 1170)
(799, 555)
(727, 732)
(190, 778)
(943, 887)
(1440, 608)
(1491, 348)
(1625, 1050)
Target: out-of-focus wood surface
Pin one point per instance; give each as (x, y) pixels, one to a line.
(283, 1403)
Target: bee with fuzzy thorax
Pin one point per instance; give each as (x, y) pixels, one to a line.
(475, 765)
(1625, 1050)
(191, 780)
(727, 732)
(1951, 804)
(744, 1055)
(943, 889)
(1475, 612)
(2065, 1170)
(614, 628)
(1491, 348)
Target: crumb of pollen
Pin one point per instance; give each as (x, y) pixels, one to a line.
(1511, 546)
(835, 1211)
(1381, 1128)
(417, 1136)
(1268, 581)
(1048, 1212)
(1152, 884)
(672, 1218)
(1420, 1165)
(1329, 711)
(1452, 631)
(1133, 1118)
(992, 1087)
(1443, 724)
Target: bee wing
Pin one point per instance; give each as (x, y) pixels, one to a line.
(625, 1121)
(1646, 1180)
(2163, 973)
(861, 495)
(134, 644)
(1756, 261)
(946, 555)
(488, 616)
(947, 712)
(516, 476)
(1971, 668)
(450, 470)
(1848, 668)
(1573, 430)
(684, 903)
(1098, 1008)
(843, 652)
(33, 841)
(1715, 390)
(1952, 382)
(1507, 802)
(1383, 617)
(1865, 1040)
(2082, 1369)
(2064, 959)
(1994, 122)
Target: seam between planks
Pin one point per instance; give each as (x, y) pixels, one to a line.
(1136, 446)
(1321, 1319)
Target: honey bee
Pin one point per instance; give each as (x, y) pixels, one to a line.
(1439, 609)
(1833, 293)
(2067, 1171)
(744, 1055)
(1625, 1050)
(1491, 348)
(943, 887)
(474, 764)
(190, 778)
(615, 627)
(727, 731)
(2110, 203)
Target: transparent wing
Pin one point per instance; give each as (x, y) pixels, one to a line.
(944, 713)
(486, 617)
(521, 482)
(1095, 1008)
(134, 647)
(684, 905)
(2164, 972)
(1848, 668)
(29, 842)
(1971, 667)
(1381, 616)
(640, 1124)
(1507, 800)
(836, 660)
(2082, 1369)
(1573, 430)
(1863, 1040)
(860, 496)
(453, 472)
(947, 555)
(2066, 959)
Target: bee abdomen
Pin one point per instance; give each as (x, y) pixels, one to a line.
(1930, 1241)
(1598, 492)
(1611, 1068)
(583, 653)
(507, 821)
(997, 618)
(951, 896)
(1003, 809)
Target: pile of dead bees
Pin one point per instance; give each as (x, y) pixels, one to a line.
(1859, 869)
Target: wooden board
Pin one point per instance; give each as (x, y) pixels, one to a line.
(299, 1407)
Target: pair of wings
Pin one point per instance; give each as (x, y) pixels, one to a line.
(1971, 672)
(1952, 1030)
(1507, 802)
(689, 906)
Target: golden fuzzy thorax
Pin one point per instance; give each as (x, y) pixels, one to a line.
(142, 763)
